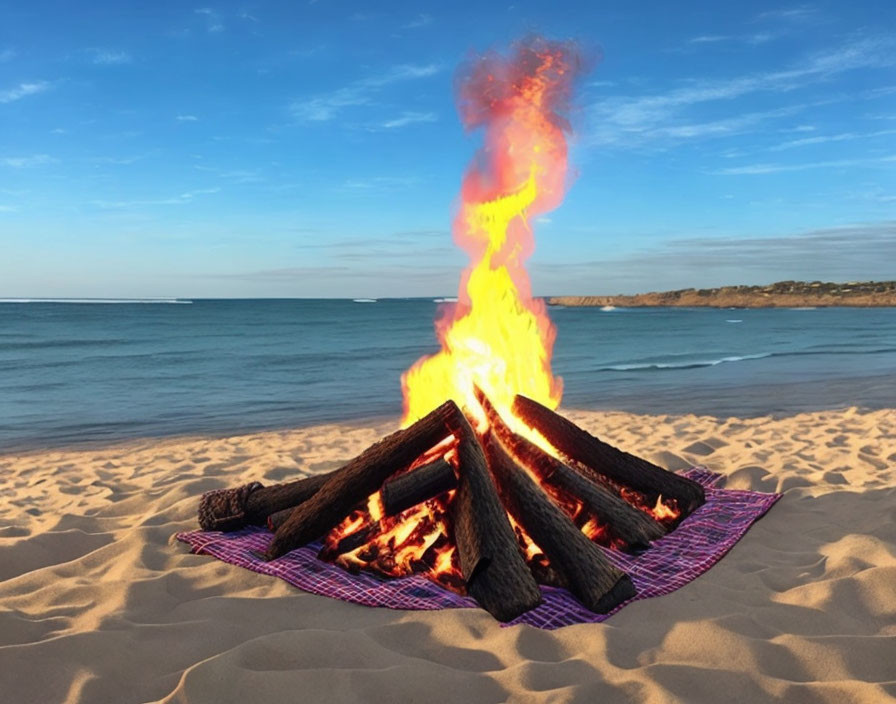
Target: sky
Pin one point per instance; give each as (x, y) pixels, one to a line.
(313, 149)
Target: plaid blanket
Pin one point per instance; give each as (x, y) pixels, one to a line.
(696, 545)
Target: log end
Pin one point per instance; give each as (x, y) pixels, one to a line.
(693, 497)
(225, 509)
(621, 591)
(503, 597)
(641, 533)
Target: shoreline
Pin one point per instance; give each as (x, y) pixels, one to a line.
(386, 425)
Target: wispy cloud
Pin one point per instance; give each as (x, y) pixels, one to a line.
(7, 54)
(26, 162)
(822, 139)
(632, 120)
(186, 118)
(752, 169)
(7, 208)
(232, 175)
(118, 160)
(380, 183)
(710, 39)
(857, 251)
(182, 199)
(421, 20)
(797, 13)
(214, 23)
(22, 90)
(752, 39)
(408, 118)
(108, 57)
(321, 108)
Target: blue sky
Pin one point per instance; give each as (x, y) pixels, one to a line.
(313, 149)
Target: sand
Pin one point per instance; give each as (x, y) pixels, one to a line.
(99, 604)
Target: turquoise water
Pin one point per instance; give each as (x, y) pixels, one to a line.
(73, 372)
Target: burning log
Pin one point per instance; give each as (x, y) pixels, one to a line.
(622, 523)
(619, 466)
(399, 493)
(591, 578)
(360, 478)
(416, 486)
(490, 559)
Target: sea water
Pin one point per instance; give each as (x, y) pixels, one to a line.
(87, 371)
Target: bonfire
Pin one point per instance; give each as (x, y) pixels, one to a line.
(486, 489)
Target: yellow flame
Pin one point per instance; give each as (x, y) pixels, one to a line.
(498, 344)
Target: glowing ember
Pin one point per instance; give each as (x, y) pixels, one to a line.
(497, 336)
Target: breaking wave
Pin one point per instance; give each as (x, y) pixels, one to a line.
(96, 300)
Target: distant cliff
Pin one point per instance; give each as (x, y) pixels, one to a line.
(784, 294)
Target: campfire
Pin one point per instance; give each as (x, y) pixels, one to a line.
(486, 489)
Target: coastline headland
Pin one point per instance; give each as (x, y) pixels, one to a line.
(783, 294)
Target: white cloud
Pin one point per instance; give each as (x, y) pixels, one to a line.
(380, 183)
(409, 118)
(710, 39)
(118, 160)
(22, 90)
(322, 108)
(182, 199)
(213, 19)
(422, 20)
(186, 118)
(632, 120)
(24, 162)
(109, 57)
(850, 252)
(752, 169)
(822, 139)
(798, 13)
(760, 38)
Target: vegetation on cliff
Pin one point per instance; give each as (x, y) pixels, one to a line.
(784, 294)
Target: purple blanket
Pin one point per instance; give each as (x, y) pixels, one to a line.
(696, 545)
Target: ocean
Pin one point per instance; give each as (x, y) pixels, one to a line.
(74, 372)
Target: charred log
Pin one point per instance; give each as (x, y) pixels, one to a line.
(417, 486)
(619, 466)
(625, 526)
(237, 507)
(360, 478)
(490, 558)
(591, 578)
(402, 492)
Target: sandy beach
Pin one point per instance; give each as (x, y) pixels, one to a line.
(98, 602)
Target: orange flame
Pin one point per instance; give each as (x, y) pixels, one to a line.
(497, 336)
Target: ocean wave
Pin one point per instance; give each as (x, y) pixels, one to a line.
(640, 366)
(364, 300)
(444, 300)
(645, 366)
(607, 309)
(96, 300)
(734, 320)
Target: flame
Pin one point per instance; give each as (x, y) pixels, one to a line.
(663, 512)
(497, 336)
